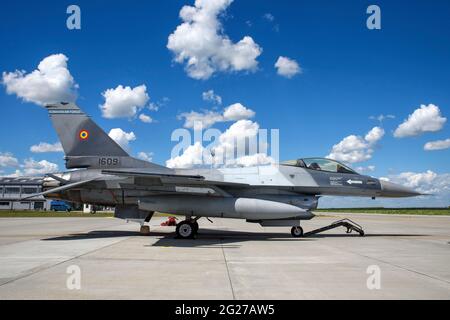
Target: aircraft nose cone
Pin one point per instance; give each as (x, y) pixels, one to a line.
(389, 189)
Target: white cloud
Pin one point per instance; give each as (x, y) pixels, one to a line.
(254, 160)
(154, 106)
(237, 112)
(145, 118)
(437, 145)
(8, 160)
(46, 147)
(425, 182)
(424, 119)
(122, 138)
(382, 117)
(375, 134)
(124, 102)
(29, 166)
(365, 169)
(207, 119)
(287, 67)
(230, 150)
(50, 82)
(354, 148)
(212, 97)
(269, 17)
(194, 155)
(32, 167)
(146, 156)
(202, 45)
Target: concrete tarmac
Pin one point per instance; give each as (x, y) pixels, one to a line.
(230, 259)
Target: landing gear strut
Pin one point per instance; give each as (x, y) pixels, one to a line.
(187, 229)
(297, 232)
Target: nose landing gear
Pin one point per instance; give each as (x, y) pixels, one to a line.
(297, 232)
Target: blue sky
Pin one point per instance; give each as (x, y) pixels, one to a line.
(349, 73)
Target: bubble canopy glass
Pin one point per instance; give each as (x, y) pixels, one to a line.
(319, 164)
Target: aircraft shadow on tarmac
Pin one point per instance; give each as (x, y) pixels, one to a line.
(208, 237)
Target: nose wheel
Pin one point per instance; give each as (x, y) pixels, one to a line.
(187, 229)
(297, 232)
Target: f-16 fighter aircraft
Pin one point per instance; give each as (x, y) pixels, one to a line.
(271, 195)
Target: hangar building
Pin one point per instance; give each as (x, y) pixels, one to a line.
(12, 189)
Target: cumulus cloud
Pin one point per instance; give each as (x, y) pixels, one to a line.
(237, 112)
(230, 150)
(208, 118)
(194, 155)
(145, 118)
(437, 145)
(204, 119)
(29, 167)
(146, 156)
(43, 147)
(122, 138)
(211, 97)
(201, 44)
(354, 148)
(8, 160)
(50, 82)
(375, 134)
(124, 102)
(287, 67)
(425, 182)
(32, 167)
(256, 159)
(424, 119)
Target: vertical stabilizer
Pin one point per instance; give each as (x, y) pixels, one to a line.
(79, 135)
(85, 144)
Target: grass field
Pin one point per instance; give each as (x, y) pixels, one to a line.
(417, 211)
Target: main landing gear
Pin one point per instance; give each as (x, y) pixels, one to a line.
(187, 229)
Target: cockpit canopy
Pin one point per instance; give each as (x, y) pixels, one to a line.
(319, 164)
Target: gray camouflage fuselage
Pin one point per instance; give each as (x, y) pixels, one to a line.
(108, 176)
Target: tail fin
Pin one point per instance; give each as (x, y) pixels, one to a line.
(79, 135)
(85, 144)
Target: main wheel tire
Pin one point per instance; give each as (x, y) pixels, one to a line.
(297, 232)
(185, 230)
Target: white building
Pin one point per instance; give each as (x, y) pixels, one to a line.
(13, 189)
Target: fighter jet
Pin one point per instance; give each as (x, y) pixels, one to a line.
(283, 194)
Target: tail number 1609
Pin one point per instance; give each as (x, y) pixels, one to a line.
(107, 161)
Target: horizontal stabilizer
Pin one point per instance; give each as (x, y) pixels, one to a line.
(59, 189)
